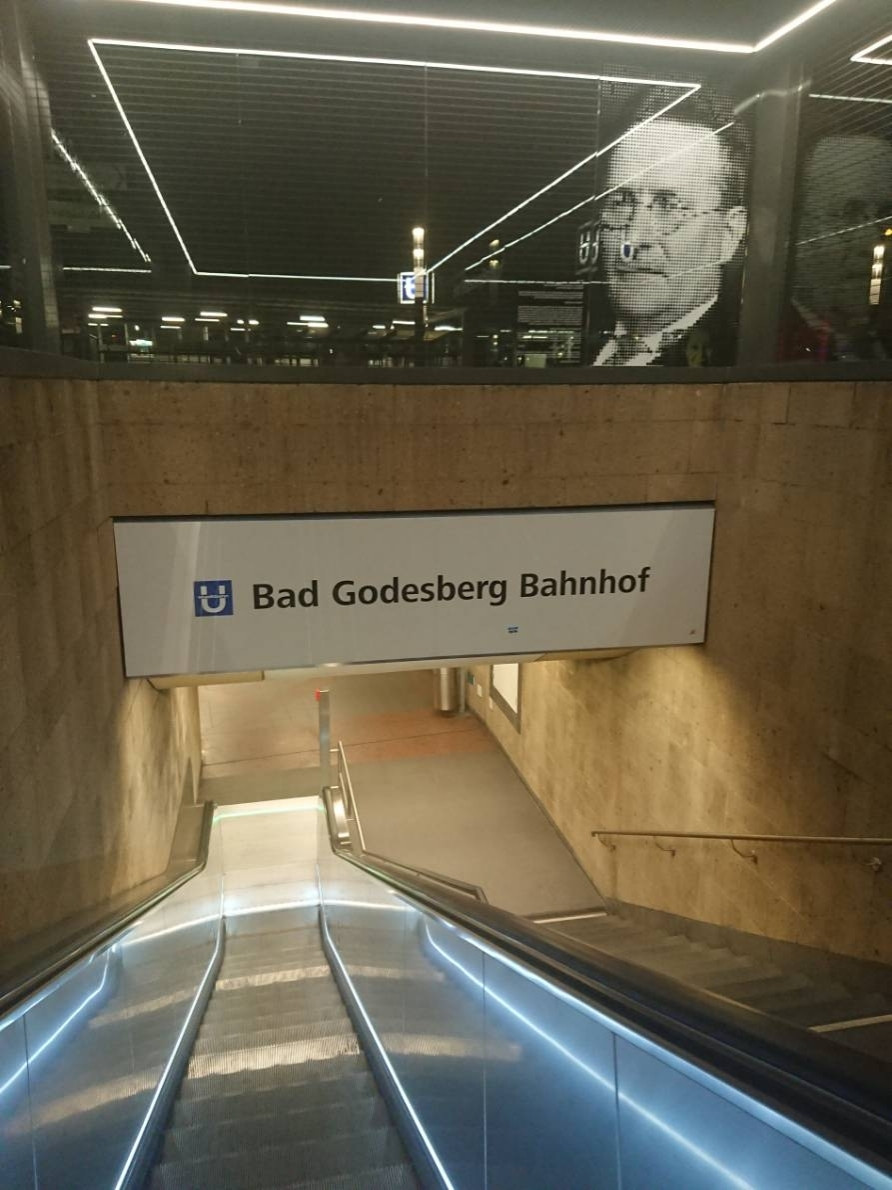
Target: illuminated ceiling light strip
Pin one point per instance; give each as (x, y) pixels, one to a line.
(789, 26)
(691, 88)
(84, 268)
(104, 205)
(850, 98)
(49, 1041)
(139, 152)
(603, 194)
(863, 55)
(563, 33)
(185, 47)
(291, 277)
(418, 63)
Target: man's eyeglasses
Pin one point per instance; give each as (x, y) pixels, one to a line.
(667, 212)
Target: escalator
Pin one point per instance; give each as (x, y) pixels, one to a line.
(356, 1025)
(278, 1091)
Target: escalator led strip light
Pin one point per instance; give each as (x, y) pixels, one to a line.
(49, 1041)
(766, 1114)
(434, 1156)
(564, 33)
(131, 1156)
(609, 1084)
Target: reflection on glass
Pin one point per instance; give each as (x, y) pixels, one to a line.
(838, 309)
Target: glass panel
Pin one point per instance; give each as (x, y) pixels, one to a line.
(429, 1020)
(551, 1109)
(100, 1041)
(16, 1159)
(250, 195)
(841, 296)
(676, 1131)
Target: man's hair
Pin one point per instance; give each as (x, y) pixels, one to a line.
(704, 109)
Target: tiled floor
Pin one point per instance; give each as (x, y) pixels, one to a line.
(273, 725)
(435, 791)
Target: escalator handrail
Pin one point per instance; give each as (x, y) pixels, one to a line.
(838, 1092)
(54, 963)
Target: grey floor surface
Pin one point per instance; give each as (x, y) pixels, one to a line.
(470, 816)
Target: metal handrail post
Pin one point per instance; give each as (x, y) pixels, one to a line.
(323, 697)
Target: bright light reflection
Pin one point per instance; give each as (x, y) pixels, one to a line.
(100, 199)
(49, 1041)
(596, 197)
(174, 1054)
(561, 32)
(686, 89)
(373, 1033)
(679, 1138)
(865, 54)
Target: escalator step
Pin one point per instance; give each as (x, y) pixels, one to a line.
(389, 1177)
(276, 1166)
(273, 1076)
(289, 1119)
(243, 1105)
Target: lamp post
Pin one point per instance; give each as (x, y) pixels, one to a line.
(418, 270)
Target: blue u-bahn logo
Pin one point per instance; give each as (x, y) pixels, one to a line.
(213, 597)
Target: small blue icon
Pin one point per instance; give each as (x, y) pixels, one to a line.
(213, 597)
(512, 628)
(628, 251)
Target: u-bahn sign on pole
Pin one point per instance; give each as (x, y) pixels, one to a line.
(219, 595)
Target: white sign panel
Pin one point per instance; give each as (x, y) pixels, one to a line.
(220, 595)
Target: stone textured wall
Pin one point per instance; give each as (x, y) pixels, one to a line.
(782, 722)
(91, 766)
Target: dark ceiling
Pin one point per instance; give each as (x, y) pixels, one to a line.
(274, 165)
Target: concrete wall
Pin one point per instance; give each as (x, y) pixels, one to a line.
(779, 724)
(91, 766)
(782, 723)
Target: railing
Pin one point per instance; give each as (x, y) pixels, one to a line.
(52, 964)
(348, 823)
(840, 1093)
(742, 837)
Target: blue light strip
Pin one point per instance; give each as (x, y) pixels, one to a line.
(434, 1156)
(729, 1175)
(131, 1156)
(49, 1041)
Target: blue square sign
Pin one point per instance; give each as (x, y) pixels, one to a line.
(213, 597)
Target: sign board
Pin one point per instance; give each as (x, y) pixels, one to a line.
(221, 595)
(405, 285)
(587, 245)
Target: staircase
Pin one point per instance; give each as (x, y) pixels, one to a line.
(801, 999)
(278, 1094)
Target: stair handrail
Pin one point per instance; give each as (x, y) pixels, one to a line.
(842, 1093)
(734, 837)
(53, 963)
(344, 803)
